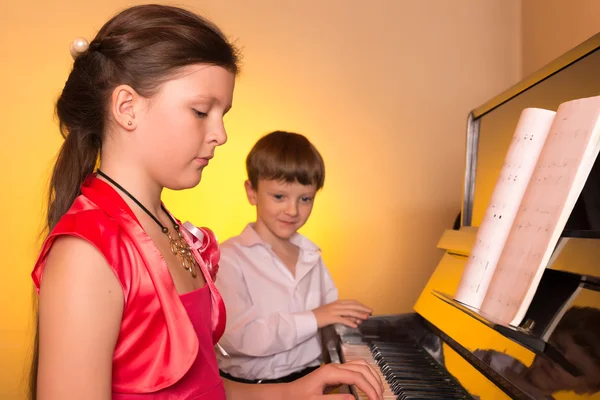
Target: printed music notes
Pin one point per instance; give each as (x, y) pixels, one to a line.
(509, 257)
(520, 161)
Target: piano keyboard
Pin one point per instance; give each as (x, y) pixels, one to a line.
(408, 371)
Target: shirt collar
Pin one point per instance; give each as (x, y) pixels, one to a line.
(249, 238)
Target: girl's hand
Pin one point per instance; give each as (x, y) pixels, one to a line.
(358, 373)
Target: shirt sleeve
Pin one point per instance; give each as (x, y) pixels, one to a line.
(247, 333)
(330, 292)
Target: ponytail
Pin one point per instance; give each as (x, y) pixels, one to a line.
(76, 160)
(81, 124)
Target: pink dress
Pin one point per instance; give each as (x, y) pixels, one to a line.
(166, 341)
(202, 381)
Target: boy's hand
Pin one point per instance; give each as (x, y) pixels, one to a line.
(346, 312)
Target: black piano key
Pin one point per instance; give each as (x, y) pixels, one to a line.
(401, 357)
(432, 395)
(416, 377)
(397, 349)
(408, 369)
(409, 365)
(416, 365)
(430, 391)
(419, 380)
(400, 389)
(404, 387)
(383, 353)
(411, 348)
(442, 383)
(406, 348)
(427, 397)
(411, 373)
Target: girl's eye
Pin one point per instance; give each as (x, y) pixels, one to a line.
(306, 199)
(200, 114)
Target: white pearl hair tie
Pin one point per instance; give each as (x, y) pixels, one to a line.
(78, 46)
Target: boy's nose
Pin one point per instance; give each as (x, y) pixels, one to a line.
(292, 209)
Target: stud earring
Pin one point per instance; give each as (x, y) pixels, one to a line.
(129, 123)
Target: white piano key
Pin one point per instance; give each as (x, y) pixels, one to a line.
(361, 351)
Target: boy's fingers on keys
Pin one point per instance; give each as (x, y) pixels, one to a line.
(353, 313)
(347, 321)
(355, 305)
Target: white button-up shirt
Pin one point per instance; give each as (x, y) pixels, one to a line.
(271, 331)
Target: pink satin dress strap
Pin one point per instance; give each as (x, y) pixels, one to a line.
(202, 381)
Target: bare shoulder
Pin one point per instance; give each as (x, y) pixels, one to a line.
(77, 266)
(80, 310)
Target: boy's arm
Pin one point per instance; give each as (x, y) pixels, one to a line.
(246, 333)
(335, 311)
(330, 292)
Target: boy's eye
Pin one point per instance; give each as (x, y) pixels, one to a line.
(306, 199)
(200, 114)
(278, 196)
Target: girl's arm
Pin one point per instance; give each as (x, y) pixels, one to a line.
(80, 309)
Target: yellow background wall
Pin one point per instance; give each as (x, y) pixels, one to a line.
(382, 88)
(553, 27)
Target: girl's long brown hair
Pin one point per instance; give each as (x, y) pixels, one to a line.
(143, 46)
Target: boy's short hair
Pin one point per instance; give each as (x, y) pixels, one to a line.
(285, 156)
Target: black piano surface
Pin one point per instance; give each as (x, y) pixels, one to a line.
(456, 353)
(446, 351)
(462, 358)
(408, 355)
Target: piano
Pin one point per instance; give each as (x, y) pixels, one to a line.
(444, 350)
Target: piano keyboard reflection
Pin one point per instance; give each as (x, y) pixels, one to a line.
(408, 371)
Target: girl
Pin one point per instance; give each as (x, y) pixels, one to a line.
(127, 304)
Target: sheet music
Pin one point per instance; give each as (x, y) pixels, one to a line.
(563, 166)
(519, 164)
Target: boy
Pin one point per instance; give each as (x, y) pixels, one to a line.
(276, 288)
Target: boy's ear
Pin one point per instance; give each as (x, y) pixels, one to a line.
(250, 192)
